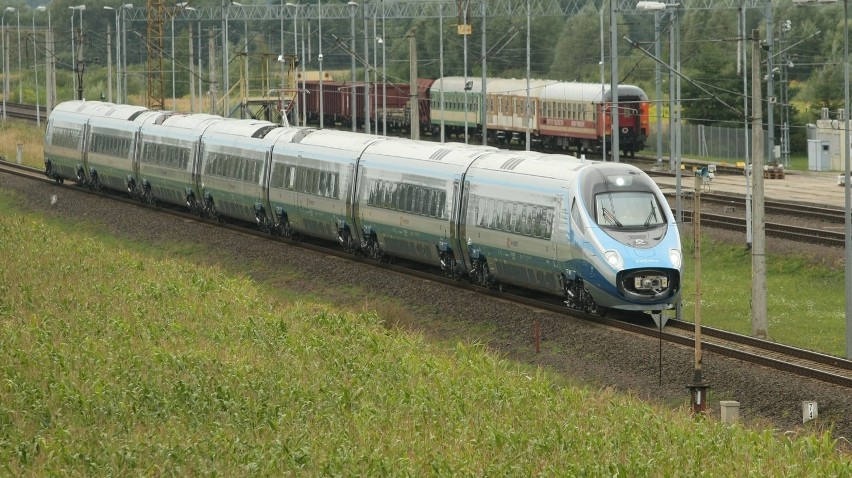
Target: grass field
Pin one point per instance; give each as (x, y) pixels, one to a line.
(131, 360)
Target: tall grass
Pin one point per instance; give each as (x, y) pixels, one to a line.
(116, 362)
(13, 133)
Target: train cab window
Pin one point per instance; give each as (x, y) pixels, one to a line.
(628, 209)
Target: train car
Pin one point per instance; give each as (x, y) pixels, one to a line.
(65, 148)
(234, 167)
(578, 115)
(312, 185)
(424, 92)
(390, 104)
(112, 137)
(409, 197)
(335, 102)
(599, 234)
(506, 107)
(168, 158)
(461, 105)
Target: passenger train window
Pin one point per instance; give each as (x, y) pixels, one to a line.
(66, 137)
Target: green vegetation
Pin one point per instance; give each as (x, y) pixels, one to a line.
(117, 359)
(805, 303)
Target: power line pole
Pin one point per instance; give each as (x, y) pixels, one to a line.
(759, 326)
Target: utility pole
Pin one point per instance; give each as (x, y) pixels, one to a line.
(759, 326)
(192, 102)
(483, 103)
(211, 70)
(414, 116)
(109, 64)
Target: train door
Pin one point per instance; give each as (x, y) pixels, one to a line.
(135, 153)
(265, 214)
(82, 175)
(461, 197)
(195, 169)
(353, 203)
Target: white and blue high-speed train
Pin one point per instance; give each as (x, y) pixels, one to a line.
(600, 235)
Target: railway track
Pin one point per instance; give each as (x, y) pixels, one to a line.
(788, 359)
(25, 112)
(781, 231)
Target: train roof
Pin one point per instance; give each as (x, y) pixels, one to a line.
(341, 140)
(456, 84)
(517, 87)
(587, 92)
(245, 128)
(125, 118)
(459, 154)
(80, 107)
(123, 112)
(551, 166)
(191, 121)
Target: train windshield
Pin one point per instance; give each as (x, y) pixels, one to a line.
(628, 209)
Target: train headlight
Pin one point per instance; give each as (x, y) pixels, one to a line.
(675, 258)
(614, 259)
